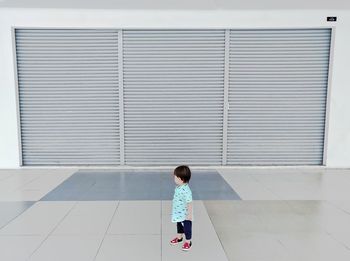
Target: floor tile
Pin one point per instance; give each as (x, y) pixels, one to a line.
(87, 218)
(31, 184)
(38, 188)
(18, 248)
(253, 247)
(314, 247)
(40, 219)
(205, 240)
(201, 223)
(342, 204)
(16, 181)
(247, 187)
(130, 247)
(289, 184)
(137, 217)
(240, 217)
(138, 185)
(4, 174)
(204, 248)
(342, 236)
(280, 225)
(108, 186)
(282, 217)
(68, 248)
(10, 210)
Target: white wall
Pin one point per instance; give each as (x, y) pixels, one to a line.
(338, 148)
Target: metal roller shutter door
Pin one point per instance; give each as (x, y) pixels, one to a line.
(68, 96)
(277, 96)
(173, 96)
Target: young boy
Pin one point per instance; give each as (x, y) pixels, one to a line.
(182, 210)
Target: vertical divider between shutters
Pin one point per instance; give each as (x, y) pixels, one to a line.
(121, 96)
(226, 92)
(328, 96)
(19, 128)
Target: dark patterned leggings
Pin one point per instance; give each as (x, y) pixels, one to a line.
(185, 227)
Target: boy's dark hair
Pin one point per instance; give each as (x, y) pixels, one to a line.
(183, 172)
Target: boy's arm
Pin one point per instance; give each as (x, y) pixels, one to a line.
(189, 213)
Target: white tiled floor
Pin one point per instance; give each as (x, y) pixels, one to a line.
(314, 247)
(41, 219)
(285, 215)
(206, 247)
(87, 218)
(68, 247)
(201, 222)
(18, 248)
(253, 247)
(289, 184)
(206, 244)
(30, 184)
(247, 187)
(130, 247)
(137, 218)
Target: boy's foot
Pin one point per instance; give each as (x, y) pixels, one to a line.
(187, 246)
(175, 241)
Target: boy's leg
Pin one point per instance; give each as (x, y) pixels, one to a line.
(188, 229)
(180, 230)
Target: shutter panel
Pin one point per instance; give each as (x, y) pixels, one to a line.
(277, 96)
(68, 95)
(173, 96)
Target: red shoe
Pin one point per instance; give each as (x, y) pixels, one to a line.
(187, 246)
(175, 241)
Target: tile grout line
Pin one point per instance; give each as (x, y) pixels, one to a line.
(6, 177)
(286, 250)
(53, 187)
(324, 230)
(216, 233)
(19, 214)
(161, 230)
(230, 186)
(50, 233)
(58, 185)
(131, 234)
(329, 202)
(40, 176)
(25, 184)
(265, 187)
(338, 241)
(109, 225)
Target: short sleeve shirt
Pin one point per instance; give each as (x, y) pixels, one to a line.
(182, 196)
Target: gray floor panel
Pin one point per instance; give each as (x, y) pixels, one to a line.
(138, 185)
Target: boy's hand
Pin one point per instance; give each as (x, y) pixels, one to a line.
(189, 214)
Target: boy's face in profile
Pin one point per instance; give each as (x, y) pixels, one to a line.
(177, 180)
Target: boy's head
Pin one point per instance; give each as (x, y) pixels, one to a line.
(182, 174)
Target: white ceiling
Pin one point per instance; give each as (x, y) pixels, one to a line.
(180, 4)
